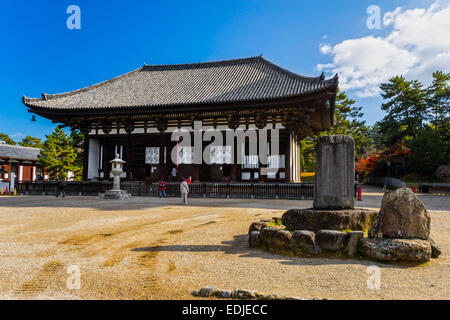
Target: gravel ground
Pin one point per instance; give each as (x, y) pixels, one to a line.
(150, 248)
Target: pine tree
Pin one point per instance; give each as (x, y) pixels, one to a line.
(30, 141)
(406, 110)
(438, 99)
(77, 139)
(438, 102)
(7, 139)
(59, 155)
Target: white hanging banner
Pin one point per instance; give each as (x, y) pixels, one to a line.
(152, 155)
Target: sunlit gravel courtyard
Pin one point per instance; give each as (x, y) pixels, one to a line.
(151, 248)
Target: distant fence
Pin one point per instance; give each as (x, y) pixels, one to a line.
(434, 188)
(298, 191)
(386, 181)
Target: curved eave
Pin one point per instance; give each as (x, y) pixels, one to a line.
(184, 106)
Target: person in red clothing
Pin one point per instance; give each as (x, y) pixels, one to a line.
(162, 188)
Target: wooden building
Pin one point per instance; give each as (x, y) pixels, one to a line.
(22, 161)
(135, 114)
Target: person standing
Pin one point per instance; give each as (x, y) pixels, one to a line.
(184, 190)
(162, 188)
(61, 188)
(173, 174)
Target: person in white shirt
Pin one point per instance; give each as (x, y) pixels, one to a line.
(184, 190)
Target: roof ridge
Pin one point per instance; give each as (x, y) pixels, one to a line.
(290, 73)
(193, 65)
(47, 96)
(16, 146)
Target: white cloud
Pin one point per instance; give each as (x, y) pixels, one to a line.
(325, 49)
(417, 45)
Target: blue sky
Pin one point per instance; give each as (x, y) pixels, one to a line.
(39, 53)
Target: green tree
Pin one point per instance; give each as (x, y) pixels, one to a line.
(308, 154)
(77, 140)
(32, 142)
(438, 99)
(7, 139)
(427, 151)
(438, 102)
(59, 155)
(348, 121)
(406, 110)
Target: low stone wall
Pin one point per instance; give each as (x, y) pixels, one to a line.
(271, 235)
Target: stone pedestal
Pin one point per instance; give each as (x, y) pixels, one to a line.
(335, 173)
(116, 170)
(116, 194)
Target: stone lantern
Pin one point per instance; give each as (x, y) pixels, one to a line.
(116, 170)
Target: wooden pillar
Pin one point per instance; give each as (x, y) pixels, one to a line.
(129, 158)
(287, 156)
(85, 156)
(162, 144)
(294, 159)
(260, 177)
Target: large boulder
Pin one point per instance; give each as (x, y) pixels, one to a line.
(315, 220)
(275, 238)
(331, 240)
(402, 215)
(443, 173)
(305, 241)
(389, 250)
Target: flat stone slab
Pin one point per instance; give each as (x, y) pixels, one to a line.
(315, 220)
(390, 250)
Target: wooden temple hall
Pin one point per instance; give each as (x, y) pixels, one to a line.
(134, 115)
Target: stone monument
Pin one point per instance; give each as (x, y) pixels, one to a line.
(116, 170)
(334, 180)
(334, 191)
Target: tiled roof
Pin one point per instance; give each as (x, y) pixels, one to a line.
(18, 152)
(238, 80)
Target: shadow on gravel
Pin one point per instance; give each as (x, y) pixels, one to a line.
(239, 246)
